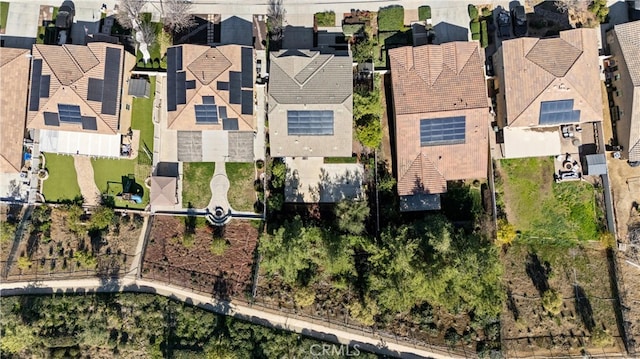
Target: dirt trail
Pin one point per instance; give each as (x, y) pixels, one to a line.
(88, 188)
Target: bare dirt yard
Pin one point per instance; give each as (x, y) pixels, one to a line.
(586, 317)
(49, 248)
(189, 252)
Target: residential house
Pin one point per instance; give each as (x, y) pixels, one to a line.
(209, 104)
(549, 97)
(441, 120)
(14, 83)
(624, 43)
(74, 98)
(310, 118)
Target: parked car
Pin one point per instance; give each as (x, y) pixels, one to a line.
(504, 24)
(519, 21)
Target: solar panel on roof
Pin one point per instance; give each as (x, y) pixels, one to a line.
(310, 123)
(110, 82)
(558, 112)
(45, 83)
(69, 113)
(36, 73)
(230, 124)
(222, 111)
(51, 119)
(171, 60)
(206, 114)
(442, 131)
(89, 123)
(95, 90)
(190, 85)
(181, 90)
(178, 58)
(208, 100)
(171, 78)
(235, 87)
(247, 102)
(247, 67)
(222, 86)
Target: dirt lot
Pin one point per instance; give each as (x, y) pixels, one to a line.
(575, 272)
(192, 262)
(64, 253)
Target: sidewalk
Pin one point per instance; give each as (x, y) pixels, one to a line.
(256, 316)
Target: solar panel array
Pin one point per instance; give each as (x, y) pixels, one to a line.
(230, 124)
(51, 119)
(310, 123)
(95, 89)
(558, 112)
(89, 123)
(190, 85)
(206, 114)
(235, 87)
(36, 74)
(111, 79)
(208, 100)
(247, 67)
(442, 131)
(45, 83)
(247, 102)
(69, 113)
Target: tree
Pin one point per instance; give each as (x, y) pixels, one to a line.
(351, 216)
(275, 19)
(129, 10)
(148, 31)
(362, 50)
(101, 218)
(278, 174)
(369, 131)
(552, 301)
(177, 14)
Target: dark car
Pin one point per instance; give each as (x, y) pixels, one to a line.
(66, 12)
(519, 21)
(489, 66)
(504, 24)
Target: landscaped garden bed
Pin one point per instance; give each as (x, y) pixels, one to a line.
(65, 242)
(196, 184)
(325, 19)
(187, 251)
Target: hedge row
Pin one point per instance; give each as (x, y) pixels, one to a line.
(484, 34)
(391, 18)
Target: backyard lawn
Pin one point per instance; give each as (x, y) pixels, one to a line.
(110, 174)
(196, 190)
(142, 119)
(539, 207)
(241, 194)
(4, 12)
(62, 183)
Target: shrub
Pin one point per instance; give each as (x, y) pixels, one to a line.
(601, 338)
(474, 26)
(363, 50)
(484, 34)
(552, 301)
(391, 18)
(24, 263)
(473, 12)
(506, 233)
(218, 246)
(369, 131)
(486, 12)
(607, 239)
(304, 297)
(327, 18)
(278, 174)
(475, 36)
(259, 164)
(101, 218)
(424, 12)
(364, 312)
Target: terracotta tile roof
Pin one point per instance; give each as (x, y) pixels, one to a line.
(433, 78)
(562, 68)
(14, 80)
(70, 67)
(208, 66)
(432, 82)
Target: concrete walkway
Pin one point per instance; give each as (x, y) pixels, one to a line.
(320, 331)
(219, 188)
(86, 181)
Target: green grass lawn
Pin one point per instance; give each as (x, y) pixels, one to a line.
(196, 190)
(539, 207)
(424, 12)
(62, 183)
(108, 175)
(4, 13)
(142, 118)
(241, 194)
(327, 18)
(340, 160)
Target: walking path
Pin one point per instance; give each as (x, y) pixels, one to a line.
(256, 316)
(219, 188)
(87, 183)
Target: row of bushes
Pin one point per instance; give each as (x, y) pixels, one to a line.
(478, 25)
(155, 63)
(424, 12)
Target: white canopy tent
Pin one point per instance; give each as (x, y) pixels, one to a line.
(83, 143)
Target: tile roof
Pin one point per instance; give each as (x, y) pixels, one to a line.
(72, 68)
(308, 80)
(628, 36)
(433, 78)
(438, 81)
(14, 80)
(208, 67)
(562, 68)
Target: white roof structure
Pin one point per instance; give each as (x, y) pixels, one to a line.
(83, 143)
